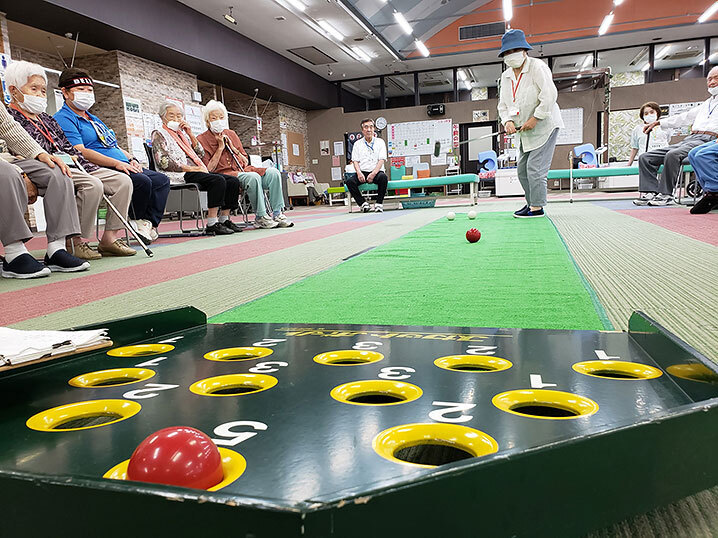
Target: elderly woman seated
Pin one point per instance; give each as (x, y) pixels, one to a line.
(27, 85)
(225, 155)
(178, 154)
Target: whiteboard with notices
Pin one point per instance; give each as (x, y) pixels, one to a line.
(418, 137)
(572, 132)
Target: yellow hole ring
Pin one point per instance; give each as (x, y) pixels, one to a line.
(694, 372)
(563, 405)
(111, 378)
(233, 466)
(473, 363)
(238, 353)
(619, 370)
(348, 357)
(52, 419)
(393, 440)
(383, 392)
(140, 350)
(233, 385)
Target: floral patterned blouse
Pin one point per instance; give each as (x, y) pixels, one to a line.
(169, 156)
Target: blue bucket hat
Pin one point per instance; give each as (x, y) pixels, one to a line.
(513, 39)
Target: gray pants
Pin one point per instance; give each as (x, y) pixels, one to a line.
(533, 167)
(59, 201)
(671, 157)
(89, 189)
(256, 185)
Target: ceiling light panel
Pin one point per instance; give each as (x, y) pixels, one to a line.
(401, 20)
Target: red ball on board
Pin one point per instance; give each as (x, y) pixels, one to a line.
(177, 456)
(473, 235)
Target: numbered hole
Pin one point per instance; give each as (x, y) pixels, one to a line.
(617, 370)
(111, 378)
(233, 385)
(694, 372)
(348, 357)
(83, 415)
(545, 404)
(473, 363)
(376, 392)
(141, 350)
(431, 445)
(238, 354)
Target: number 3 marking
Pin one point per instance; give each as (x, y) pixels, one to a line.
(394, 372)
(439, 415)
(366, 346)
(234, 438)
(267, 367)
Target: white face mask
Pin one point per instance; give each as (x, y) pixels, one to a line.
(713, 91)
(33, 104)
(649, 118)
(217, 126)
(515, 59)
(84, 100)
(174, 125)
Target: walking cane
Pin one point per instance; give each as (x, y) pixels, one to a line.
(127, 226)
(570, 176)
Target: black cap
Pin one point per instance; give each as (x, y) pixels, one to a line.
(73, 76)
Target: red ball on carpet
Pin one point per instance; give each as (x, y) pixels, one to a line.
(473, 235)
(177, 456)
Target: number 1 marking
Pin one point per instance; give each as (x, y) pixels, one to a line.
(151, 362)
(171, 340)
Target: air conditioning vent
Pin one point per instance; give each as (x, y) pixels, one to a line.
(477, 31)
(312, 55)
(683, 55)
(433, 83)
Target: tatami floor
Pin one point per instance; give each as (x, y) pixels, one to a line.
(662, 261)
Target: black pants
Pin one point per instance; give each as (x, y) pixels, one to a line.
(222, 190)
(380, 180)
(149, 195)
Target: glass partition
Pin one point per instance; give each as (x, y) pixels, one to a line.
(436, 87)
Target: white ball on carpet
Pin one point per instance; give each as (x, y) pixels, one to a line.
(472, 214)
(451, 215)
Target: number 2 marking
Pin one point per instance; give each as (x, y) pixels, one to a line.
(151, 390)
(234, 438)
(366, 346)
(269, 342)
(267, 367)
(395, 372)
(439, 415)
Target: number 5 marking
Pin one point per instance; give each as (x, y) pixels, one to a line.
(234, 438)
(367, 345)
(394, 372)
(439, 415)
(267, 367)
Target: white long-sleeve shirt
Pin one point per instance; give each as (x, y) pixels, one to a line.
(703, 117)
(533, 93)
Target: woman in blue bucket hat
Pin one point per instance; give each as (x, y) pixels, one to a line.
(527, 106)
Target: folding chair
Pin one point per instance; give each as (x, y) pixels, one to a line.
(685, 186)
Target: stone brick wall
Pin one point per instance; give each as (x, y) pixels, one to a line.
(295, 120)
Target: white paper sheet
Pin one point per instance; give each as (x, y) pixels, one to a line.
(336, 173)
(339, 148)
(18, 346)
(438, 161)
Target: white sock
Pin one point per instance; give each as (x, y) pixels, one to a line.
(54, 246)
(223, 218)
(13, 250)
(211, 221)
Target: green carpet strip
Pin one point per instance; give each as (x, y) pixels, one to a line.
(518, 275)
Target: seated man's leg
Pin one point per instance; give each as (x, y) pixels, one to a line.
(381, 182)
(272, 181)
(88, 195)
(673, 166)
(60, 208)
(253, 185)
(352, 183)
(117, 186)
(18, 263)
(704, 160)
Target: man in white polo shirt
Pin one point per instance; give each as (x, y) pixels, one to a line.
(368, 156)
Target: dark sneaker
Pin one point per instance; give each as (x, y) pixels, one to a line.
(521, 212)
(218, 229)
(531, 214)
(661, 200)
(232, 226)
(705, 204)
(24, 266)
(64, 262)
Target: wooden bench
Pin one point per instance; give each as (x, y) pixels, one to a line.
(409, 184)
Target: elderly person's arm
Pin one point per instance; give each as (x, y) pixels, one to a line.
(164, 161)
(213, 161)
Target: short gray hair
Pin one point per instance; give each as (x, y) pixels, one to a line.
(213, 106)
(166, 105)
(18, 73)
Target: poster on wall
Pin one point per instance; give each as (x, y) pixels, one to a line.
(133, 117)
(350, 139)
(193, 116)
(339, 148)
(4, 62)
(324, 148)
(151, 122)
(480, 115)
(285, 153)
